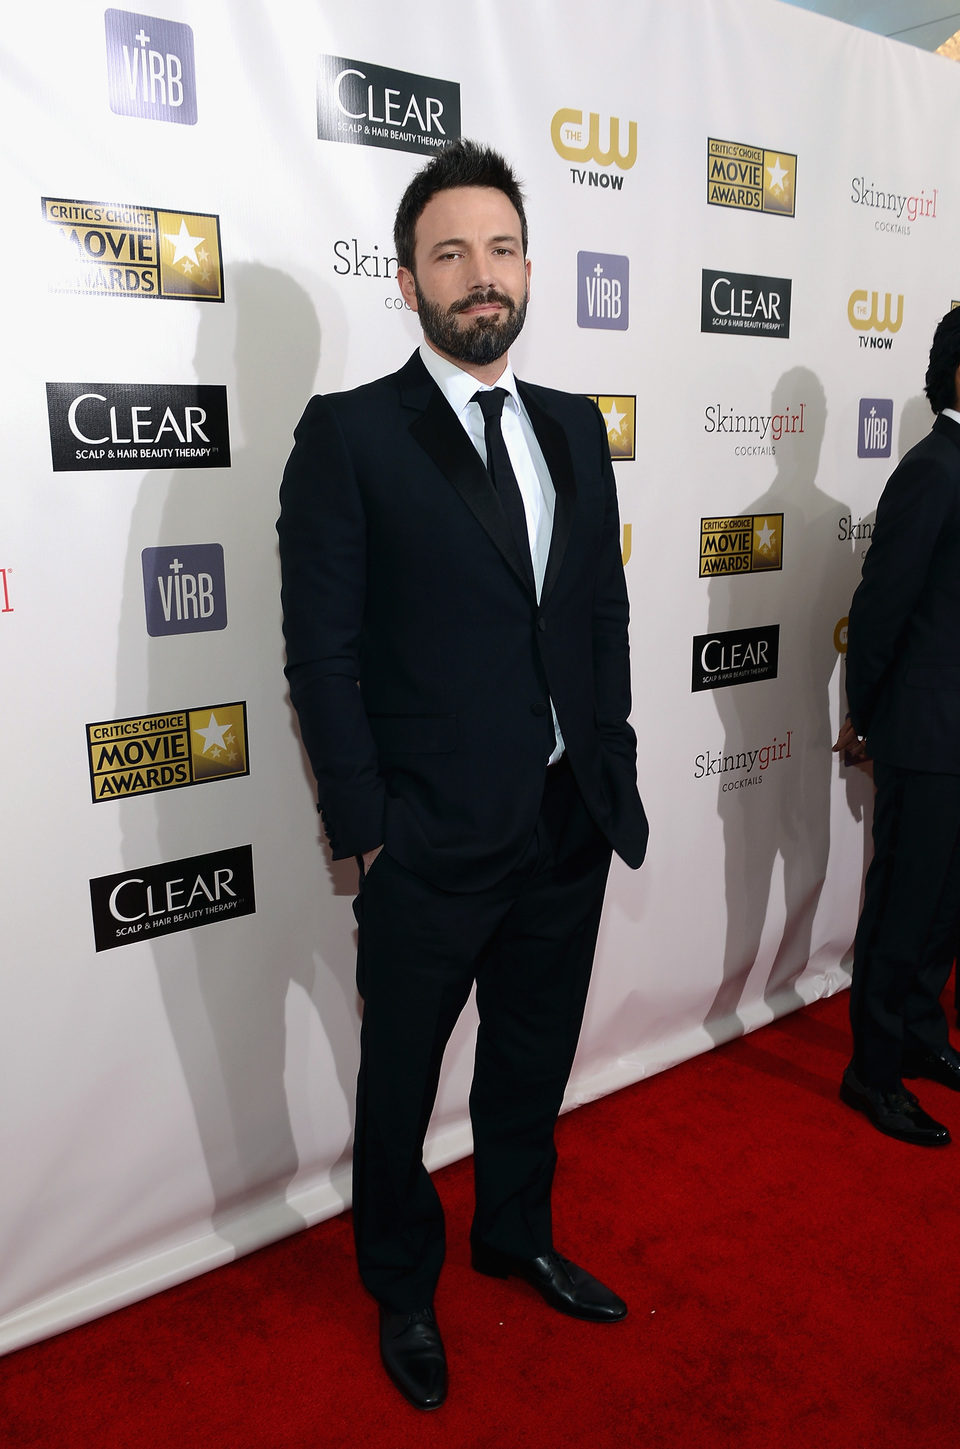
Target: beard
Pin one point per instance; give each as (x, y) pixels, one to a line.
(485, 340)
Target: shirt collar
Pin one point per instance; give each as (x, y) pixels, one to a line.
(457, 386)
(951, 413)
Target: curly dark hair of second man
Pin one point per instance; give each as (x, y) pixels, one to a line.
(941, 377)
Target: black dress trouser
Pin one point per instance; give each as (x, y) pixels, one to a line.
(528, 942)
(907, 934)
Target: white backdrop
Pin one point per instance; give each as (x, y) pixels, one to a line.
(178, 1099)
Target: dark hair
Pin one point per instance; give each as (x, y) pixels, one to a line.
(941, 379)
(462, 163)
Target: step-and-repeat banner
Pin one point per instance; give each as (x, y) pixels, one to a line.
(743, 231)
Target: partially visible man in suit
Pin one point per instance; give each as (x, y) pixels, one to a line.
(903, 687)
(456, 624)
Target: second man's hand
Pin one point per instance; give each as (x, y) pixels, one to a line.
(848, 740)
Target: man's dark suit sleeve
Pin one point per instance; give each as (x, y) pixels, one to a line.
(611, 618)
(323, 561)
(912, 512)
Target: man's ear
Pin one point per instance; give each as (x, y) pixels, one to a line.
(408, 287)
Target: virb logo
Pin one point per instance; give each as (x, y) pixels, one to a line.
(875, 428)
(150, 70)
(183, 589)
(603, 291)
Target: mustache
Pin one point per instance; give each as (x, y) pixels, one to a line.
(490, 294)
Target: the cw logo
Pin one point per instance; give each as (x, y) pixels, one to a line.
(567, 128)
(863, 319)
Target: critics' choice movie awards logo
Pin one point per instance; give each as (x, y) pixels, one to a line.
(741, 302)
(110, 425)
(150, 68)
(620, 416)
(166, 751)
(747, 545)
(6, 605)
(177, 895)
(748, 765)
(603, 291)
(183, 589)
(125, 250)
(875, 312)
(367, 105)
(576, 139)
(751, 178)
(899, 207)
(740, 656)
(875, 427)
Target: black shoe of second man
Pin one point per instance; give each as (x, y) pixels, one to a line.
(941, 1066)
(564, 1285)
(412, 1352)
(897, 1113)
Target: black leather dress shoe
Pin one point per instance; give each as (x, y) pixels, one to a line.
(561, 1283)
(938, 1066)
(412, 1352)
(897, 1113)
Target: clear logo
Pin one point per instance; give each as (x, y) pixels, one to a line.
(745, 303)
(176, 895)
(368, 105)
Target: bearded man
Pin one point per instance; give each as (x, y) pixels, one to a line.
(456, 622)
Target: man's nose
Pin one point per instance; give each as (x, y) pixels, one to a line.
(480, 274)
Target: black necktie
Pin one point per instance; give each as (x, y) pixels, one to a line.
(501, 469)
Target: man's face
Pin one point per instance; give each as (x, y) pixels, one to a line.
(471, 283)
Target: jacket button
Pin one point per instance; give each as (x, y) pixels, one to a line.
(542, 625)
(538, 709)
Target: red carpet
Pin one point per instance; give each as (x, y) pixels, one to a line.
(790, 1273)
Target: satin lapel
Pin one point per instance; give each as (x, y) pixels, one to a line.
(440, 434)
(556, 452)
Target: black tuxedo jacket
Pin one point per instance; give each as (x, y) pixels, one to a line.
(903, 640)
(420, 663)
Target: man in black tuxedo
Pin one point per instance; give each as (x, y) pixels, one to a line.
(903, 687)
(456, 624)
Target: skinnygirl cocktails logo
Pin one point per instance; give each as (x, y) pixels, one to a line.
(739, 769)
